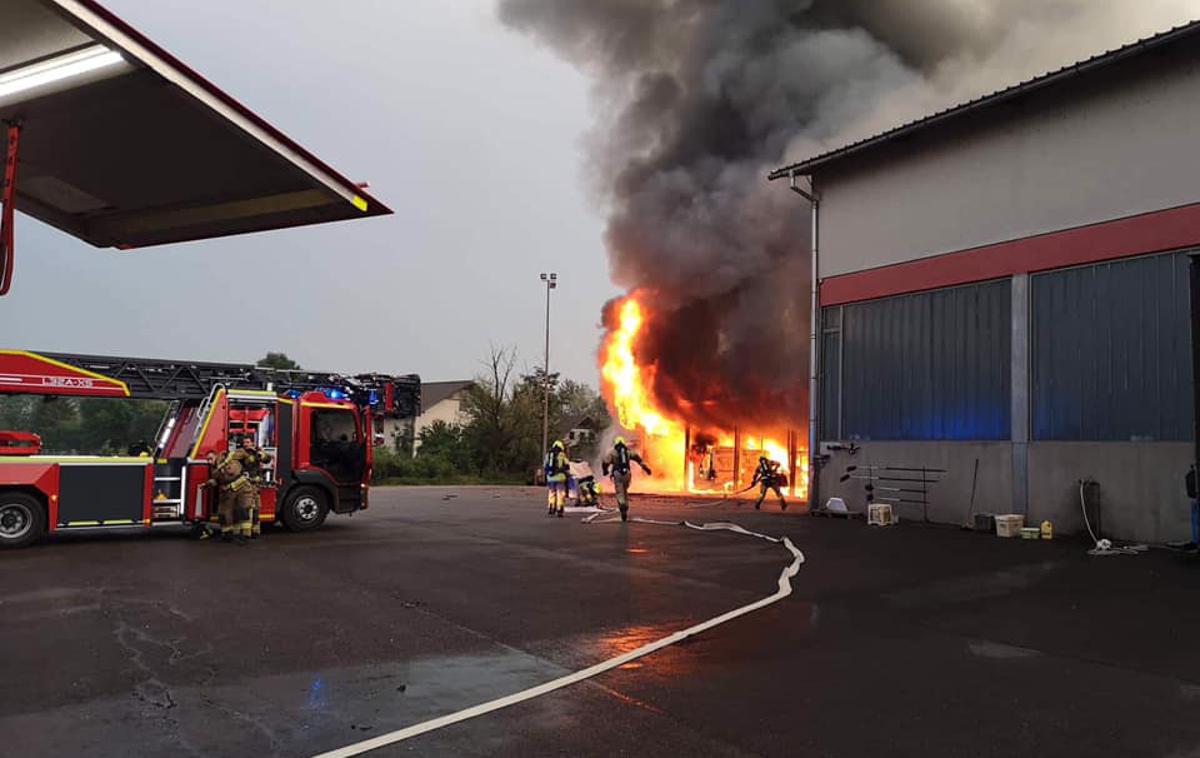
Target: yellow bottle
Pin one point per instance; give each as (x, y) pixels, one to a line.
(1047, 530)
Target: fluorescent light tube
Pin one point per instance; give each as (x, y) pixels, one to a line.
(58, 68)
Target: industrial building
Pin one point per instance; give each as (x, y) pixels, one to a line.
(1004, 296)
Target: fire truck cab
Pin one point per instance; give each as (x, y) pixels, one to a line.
(316, 427)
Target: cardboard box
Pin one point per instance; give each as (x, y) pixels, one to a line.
(1009, 525)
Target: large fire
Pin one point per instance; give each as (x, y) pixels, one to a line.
(685, 456)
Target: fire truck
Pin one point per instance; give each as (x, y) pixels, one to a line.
(318, 427)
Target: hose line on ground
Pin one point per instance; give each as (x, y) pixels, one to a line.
(784, 589)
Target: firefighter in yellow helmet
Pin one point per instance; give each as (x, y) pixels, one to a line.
(617, 461)
(557, 468)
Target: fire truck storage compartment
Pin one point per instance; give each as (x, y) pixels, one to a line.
(101, 494)
(168, 489)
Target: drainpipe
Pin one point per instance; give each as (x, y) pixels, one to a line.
(814, 319)
(8, 199)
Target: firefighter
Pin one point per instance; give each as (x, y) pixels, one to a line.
(768, 477)
(557, 468)
(617, 461)
(252, 459)
(589, 491)
(233, 496)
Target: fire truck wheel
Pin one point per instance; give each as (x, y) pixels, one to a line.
(22, 519)
(305, 509)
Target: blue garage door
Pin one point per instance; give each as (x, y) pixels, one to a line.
(1112, 351)
(929, 366)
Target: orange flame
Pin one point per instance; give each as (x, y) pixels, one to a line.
(628, 387)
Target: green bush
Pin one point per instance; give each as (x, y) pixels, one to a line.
(400, 468)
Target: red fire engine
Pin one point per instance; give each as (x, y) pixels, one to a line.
(317, 426)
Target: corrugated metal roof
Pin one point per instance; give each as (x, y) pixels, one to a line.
(1017, 90)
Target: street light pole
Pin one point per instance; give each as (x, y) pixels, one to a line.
(551, 281)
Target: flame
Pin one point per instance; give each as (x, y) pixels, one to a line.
(625, 378)
(629, 387)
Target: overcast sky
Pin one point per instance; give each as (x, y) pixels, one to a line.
(471, 133)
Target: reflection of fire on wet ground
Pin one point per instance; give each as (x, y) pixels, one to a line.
(620, 641)
(682, 439)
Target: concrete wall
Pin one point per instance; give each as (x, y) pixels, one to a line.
(1141, 484)
(1141, 487)
(1107, 146)
(950, 498)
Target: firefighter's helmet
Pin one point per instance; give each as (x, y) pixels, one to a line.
(619, 442)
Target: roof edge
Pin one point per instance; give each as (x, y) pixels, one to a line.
(97, 18)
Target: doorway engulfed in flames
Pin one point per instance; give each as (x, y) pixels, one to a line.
(688, 455)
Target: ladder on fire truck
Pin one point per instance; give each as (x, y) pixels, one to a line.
(163, 379)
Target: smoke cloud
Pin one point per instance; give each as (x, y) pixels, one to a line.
(697, 99)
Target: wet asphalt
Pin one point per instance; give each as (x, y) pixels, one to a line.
(908, 641)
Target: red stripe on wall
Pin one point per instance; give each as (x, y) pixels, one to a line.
(1137, 235)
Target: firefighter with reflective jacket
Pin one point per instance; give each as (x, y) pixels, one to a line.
(617, 461)
(233, 496)
(557, 468)
(768, 477)
(252, 459)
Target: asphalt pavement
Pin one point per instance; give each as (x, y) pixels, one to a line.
(905, 641)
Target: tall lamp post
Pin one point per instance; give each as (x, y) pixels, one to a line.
(551, 281)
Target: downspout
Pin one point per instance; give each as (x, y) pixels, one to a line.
(814, 353)
(8, 201)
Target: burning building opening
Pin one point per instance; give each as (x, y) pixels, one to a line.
(702, 437)
(707, 355)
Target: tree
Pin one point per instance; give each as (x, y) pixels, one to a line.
(83, 425)
(446, 441)
(489, 431)
(279, 361)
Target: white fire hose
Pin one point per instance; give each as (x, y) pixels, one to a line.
(785, 589)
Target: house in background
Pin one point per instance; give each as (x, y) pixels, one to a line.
(580, 433)
(440, 401)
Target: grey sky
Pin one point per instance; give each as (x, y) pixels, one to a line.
(471, 133)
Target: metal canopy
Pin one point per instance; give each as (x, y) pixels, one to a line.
(122, 145)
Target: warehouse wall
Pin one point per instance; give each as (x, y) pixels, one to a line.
(1105, 147)
(950, 498)
(1141, 487)
(914, 379)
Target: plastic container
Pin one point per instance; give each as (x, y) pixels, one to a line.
(985, 523)
(1047, 530)
(1031, 533)
(1009, 525)
(836, 505)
